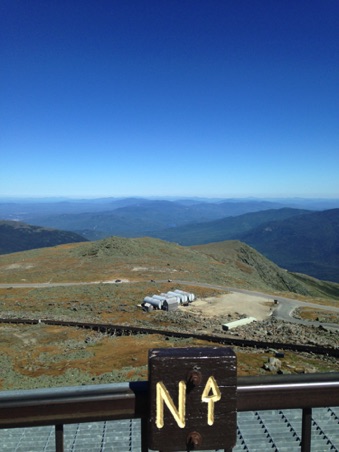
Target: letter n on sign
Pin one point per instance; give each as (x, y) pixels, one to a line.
(192, 398)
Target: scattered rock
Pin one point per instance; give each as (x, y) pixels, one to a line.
(273, 365)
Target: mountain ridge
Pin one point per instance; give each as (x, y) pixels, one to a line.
(308, 243)
(309, 246)
(229, 228)
(17, 236)
(131, 217)
(230, 263)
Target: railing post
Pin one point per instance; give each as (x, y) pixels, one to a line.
(59, 438)
(306, 430)
(144, 434)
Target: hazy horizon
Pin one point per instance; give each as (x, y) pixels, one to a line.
(57, 198)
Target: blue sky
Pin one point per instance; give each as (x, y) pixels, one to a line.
(225, 98)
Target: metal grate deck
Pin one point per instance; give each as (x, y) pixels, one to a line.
(273, 430)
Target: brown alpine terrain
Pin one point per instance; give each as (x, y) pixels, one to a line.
(106, 282)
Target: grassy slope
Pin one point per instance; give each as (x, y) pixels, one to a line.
(230, 263)
(42, 356)
(239, 256)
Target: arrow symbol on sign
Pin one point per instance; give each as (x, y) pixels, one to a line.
(211, 395)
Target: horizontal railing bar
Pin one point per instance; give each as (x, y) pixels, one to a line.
(118, 389)
(288, 391)
(72, 405)
(270, 397)
(130, 400)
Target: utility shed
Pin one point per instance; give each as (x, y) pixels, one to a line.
(190, 296)
(147, 307)
(171, 295)
(236, 323)
(183, 298)
(159, 297)
(170, 304)
(156, 303)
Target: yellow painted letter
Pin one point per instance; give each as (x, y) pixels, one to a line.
(211, 386)
(163, 396)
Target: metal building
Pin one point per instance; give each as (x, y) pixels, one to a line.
(170, 304)
(170, 294)
(190, 296)
(156, 303)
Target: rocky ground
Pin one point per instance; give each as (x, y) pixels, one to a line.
(44, 356)
(268, 330)
(209, 314)
(278, 331)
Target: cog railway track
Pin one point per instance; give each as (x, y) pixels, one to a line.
(125, 330)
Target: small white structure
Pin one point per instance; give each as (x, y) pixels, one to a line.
(167, 301)
(159, 297)
(173, 295)
(170, 304)
(183, 297)
(236, 323)
(190, 296)
(157, 304)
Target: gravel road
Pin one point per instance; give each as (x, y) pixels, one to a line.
(251, 303)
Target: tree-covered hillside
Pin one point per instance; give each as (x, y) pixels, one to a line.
(16, 236)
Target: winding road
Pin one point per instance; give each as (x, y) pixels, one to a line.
(282, 311)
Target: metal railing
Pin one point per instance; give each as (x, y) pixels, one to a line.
(70, 405)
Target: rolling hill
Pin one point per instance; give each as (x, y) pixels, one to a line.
(232, 263)
(17, 236)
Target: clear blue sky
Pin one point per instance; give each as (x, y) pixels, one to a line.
(169, 97)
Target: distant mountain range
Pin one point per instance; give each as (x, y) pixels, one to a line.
(130, 217)
(301, 241)
(228, 228)
(136, 217)
(307, 243)
(17, 236)
(297, 239)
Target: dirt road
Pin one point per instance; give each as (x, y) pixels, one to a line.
(242, 301)
(231, 303)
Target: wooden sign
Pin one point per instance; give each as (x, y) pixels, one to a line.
(192, 398)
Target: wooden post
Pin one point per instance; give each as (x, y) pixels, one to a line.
(192, 399)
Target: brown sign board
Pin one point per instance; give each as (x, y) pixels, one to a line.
(192, 398)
